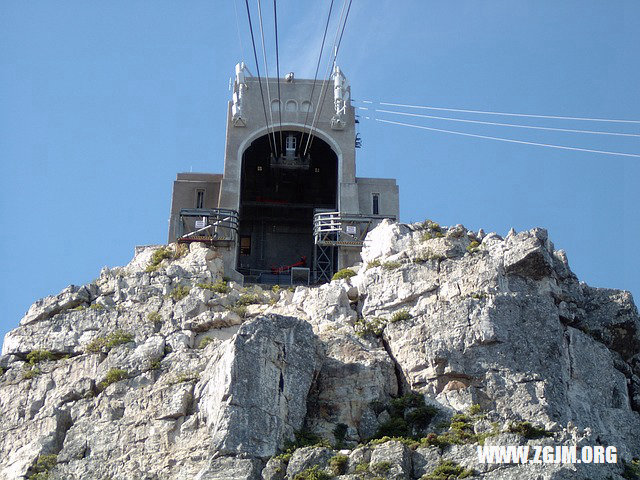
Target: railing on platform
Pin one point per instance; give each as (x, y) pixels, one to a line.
(337, 229)
(209, 225)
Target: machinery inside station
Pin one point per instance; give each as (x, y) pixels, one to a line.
(278, 199)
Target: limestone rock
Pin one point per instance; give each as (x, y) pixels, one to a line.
(159, 370)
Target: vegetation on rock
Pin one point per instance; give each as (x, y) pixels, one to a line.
(114, 339)
(342, 274)
(113, 375)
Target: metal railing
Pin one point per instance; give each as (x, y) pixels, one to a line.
(343, 230)
(207, 225)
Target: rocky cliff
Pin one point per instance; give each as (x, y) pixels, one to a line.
(441, 340)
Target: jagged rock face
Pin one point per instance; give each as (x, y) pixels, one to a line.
(165, 372)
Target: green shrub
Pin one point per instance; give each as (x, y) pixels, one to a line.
(96, 306)
(373, 264)
(370, 326)
(527, 430)
(157, 257)
(205, 341)
(409, 414)
(2, 370)
(400, 316)
(36, 356)
(448, 470)
(182, 249)
(475, 409)
(362, 467)
(114, 375)
(276, 289)
(114, 339)
(179, 292)
(247, 299)
(304, 438)
(339, 434)
(285, 457)
(313, 473)
(344, 273)
(380, 468)
(473, 247)
(185, 377)
(155, 365)
(78, 308)
(479, 295)
(31, 373)
(218, 287)
(428, 256)
(155, 317)
(43, 466)
(338, 465)
(391, 265)
(631, 469)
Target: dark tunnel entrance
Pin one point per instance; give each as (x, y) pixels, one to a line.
(277, 202)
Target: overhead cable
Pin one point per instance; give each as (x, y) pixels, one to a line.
(266, 67)
(323, 93)
(235, 9)
(255, 56)
(562, 147)
(275, 22)
(315, 77)
(613, 120)
(594, 132)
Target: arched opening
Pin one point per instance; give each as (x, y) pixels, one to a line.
(278, 197)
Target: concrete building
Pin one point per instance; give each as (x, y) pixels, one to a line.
(289, 195)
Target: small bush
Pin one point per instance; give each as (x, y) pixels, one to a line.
(114, 339)
(475, 409)
(248, 299)
(79, 308)
(43, 466)
(205, 341)
(428, 256)
(370, 326)
(182, 249)
(631, 469)
(157, 257)
(179, 292)
(362, 467)
(400, 316)
(391, 265)
(473, 247)
(380, 468)
(344, 273)
(479, 295)
(305, 438)
(338, 465)
(448, 470)
(96, 306)
(276, 289)
(114, 375)
(36, 356)
(155, 317)
(31, 373)
(373, 264)
(185, 377)
(285, 457)
(155, 365)
(527, 430)
(218, 287)
(339, 434)
(313, 473)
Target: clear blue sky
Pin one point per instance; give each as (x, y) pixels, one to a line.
(101, 103)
